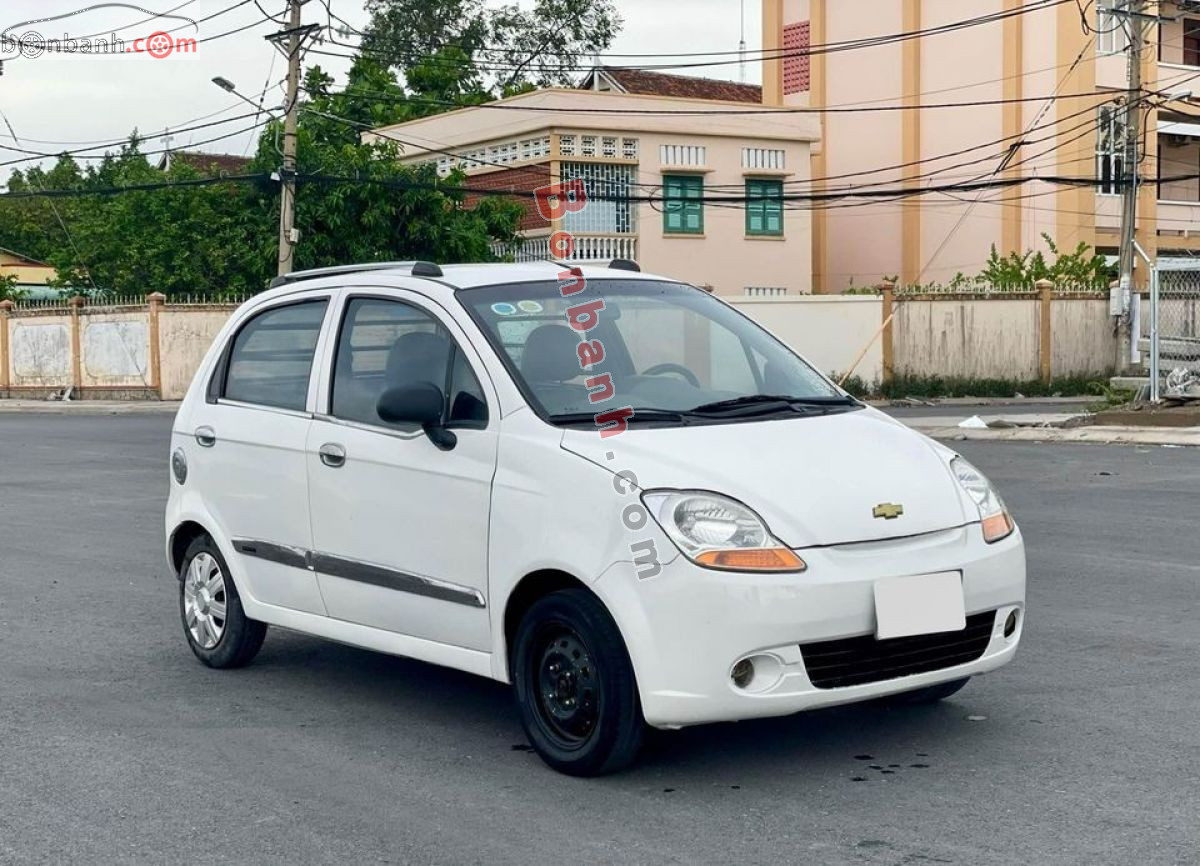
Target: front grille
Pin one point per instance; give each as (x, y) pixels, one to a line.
(853, 661)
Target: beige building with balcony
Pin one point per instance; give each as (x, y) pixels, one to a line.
(654, 151)
(1014, 64)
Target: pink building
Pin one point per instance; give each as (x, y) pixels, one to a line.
(658, 149)
(1045, 99)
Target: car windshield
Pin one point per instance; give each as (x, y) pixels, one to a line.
(671, 352)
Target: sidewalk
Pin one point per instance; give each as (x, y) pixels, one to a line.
(88, 407)
(1048, 428)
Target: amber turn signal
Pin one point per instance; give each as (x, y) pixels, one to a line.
(997, 526)
(752, 559)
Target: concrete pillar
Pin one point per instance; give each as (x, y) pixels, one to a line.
(76, 304)
(6, 307)
(155, 301)
(1045, 290)
(888, 290)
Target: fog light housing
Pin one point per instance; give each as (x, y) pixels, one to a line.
(1010, 624)
(743, 673)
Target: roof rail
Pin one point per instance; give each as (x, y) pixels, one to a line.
(416, 268)
(624, 265)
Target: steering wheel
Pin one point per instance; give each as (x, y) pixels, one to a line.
(660, 369)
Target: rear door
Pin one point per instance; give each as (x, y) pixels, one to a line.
(252, 433)
(400, 527)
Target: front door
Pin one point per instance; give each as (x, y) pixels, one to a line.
(400, 527)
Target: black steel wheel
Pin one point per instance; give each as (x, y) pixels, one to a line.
(575, 686)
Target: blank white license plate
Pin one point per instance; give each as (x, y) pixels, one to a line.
(920, 604)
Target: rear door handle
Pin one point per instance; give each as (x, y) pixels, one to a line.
(332, 455)
(206, 436)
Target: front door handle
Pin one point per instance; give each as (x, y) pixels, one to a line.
(206, 436)
(332, 455)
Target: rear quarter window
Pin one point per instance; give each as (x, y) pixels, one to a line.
(270, 359)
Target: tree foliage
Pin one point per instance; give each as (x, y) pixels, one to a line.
(356, 202)
(1079, 268)
(488, 48)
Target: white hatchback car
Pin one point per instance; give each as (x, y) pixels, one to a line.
(610, 489)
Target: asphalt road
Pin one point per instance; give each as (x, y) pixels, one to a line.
(116, 745)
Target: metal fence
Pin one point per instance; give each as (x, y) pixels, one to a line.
(1172, 334)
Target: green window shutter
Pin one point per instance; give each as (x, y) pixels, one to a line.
(764, 207)
(683, 206)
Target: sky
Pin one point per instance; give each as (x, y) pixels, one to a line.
(69, 100)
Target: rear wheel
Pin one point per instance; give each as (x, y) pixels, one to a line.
(931, 694)
(575, 686)
(214, 623)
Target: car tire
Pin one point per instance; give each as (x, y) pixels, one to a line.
(575, 686)
(214, 623)
(931, 694)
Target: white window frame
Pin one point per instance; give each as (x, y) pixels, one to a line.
(1110, 148)
(1111, 35)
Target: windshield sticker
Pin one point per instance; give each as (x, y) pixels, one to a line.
(504, 309)
(529, 306)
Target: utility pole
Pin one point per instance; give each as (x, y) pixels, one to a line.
(293, 37)
(1135, 19)
(287, 192)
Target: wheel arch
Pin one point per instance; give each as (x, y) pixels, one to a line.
(181, 538)
(528, 590)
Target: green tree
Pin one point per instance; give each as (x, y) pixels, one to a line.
(356, 202)
(494, 49)
(377, 209)
(1079, 268)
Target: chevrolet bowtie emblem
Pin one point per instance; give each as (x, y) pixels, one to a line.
(887, 511)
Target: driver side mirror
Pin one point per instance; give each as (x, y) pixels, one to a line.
(423, 404)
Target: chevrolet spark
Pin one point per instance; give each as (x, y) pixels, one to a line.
(609, 489)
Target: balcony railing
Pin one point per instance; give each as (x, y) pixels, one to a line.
(588, 248)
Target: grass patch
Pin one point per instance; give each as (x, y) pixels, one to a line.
(933, 387)
(949, 386)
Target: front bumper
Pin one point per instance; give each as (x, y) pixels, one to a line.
(687, 627)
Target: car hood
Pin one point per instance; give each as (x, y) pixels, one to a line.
(815, 480)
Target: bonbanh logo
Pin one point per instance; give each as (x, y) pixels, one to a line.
(21, 40)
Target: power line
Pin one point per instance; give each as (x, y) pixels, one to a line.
(764, 54)
(502, 105)
(38, 155)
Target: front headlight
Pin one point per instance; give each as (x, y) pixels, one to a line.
(997, 523)
(718, 532)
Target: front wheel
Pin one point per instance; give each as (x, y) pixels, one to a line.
(214, 622)
(575, 686)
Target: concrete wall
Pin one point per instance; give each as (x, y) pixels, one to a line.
(984, 339)
(118, 355)
(994, 337)
(185, 333)
(1084, 340)
(115, 349)
(40, 350)
(829, 331)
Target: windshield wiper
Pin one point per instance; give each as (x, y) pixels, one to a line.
(770, 402)
(655, 416)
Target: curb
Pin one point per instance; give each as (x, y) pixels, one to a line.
(1177, 437)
